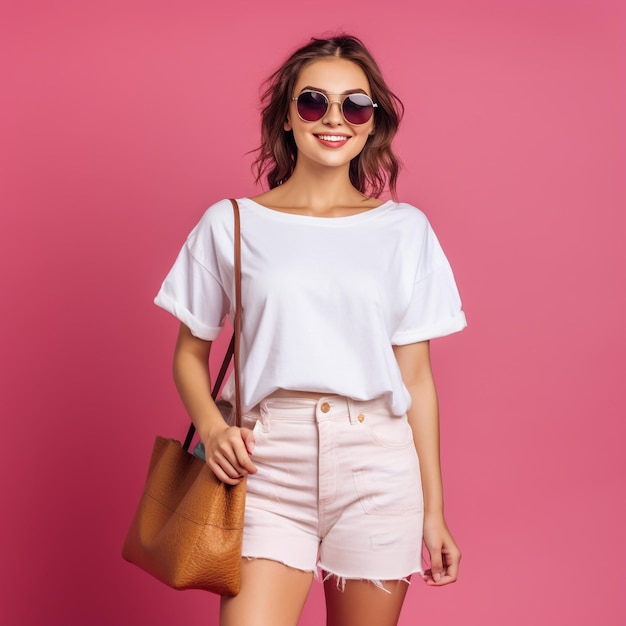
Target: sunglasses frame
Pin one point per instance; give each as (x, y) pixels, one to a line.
(329, 102)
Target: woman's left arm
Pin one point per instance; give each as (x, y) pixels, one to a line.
(414, 362)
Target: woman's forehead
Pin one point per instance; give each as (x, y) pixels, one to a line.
(333, 75)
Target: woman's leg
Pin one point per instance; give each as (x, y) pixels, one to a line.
(362, 602)
(272, 594)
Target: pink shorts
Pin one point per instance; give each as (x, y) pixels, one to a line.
(338, 487)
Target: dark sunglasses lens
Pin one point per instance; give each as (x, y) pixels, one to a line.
(357, 108)
(312, 106)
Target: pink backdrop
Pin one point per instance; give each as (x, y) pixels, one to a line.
(122, 120)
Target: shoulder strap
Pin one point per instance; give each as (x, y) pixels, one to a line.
(238, 307)
(233, 348)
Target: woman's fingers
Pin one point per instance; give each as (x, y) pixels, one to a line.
(242, 462)
(444, 567)
(227, 454)
(436, 565)
(452, 569)
(445, 555)
(248, 439)
(230, 478)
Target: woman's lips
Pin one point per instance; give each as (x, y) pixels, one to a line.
(332, 141)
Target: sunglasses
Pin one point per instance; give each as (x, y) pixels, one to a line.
(356, 108)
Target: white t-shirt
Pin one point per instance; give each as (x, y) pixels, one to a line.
(324, 299)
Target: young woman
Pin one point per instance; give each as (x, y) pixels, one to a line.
(341, 295)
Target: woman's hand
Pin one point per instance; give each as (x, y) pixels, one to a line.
(227, 449)
(444, 553)
(228, 453)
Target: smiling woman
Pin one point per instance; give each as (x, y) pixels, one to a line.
(376, 167)
(329, 127)
(342, 293)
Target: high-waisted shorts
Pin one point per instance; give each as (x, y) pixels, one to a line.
(338, 487)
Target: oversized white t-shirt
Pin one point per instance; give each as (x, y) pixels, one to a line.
(324, 299)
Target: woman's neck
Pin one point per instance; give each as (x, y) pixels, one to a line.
(320, 191)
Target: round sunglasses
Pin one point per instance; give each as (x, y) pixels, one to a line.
(356, 108)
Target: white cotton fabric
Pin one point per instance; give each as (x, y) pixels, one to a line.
(324, 299)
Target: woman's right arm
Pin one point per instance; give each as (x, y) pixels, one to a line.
(227, 448)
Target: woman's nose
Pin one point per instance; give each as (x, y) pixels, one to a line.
(333, 114)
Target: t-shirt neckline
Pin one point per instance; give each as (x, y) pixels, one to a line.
(291, 217)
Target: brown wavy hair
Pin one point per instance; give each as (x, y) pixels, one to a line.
(376, 167)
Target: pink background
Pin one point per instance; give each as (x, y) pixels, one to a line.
(122, 120)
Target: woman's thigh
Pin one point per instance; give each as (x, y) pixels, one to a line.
(272, 594)
(362, 602)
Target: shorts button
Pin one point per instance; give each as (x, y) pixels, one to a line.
(325, 407)
(360, 417)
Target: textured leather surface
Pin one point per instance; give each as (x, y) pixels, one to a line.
(188, 528)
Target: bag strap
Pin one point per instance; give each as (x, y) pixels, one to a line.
(238, 307)
(235, 341)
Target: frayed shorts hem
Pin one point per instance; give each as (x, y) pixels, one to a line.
(322, 574)
(377, 582)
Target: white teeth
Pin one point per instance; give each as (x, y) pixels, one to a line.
(332, 137)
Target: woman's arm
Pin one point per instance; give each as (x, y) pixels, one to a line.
(414, 362)
(227, 448)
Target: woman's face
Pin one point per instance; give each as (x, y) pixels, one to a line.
(330, 141)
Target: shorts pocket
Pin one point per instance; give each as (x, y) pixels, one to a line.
(390, 488)
(389, 431)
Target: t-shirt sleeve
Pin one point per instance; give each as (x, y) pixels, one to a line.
(192, 290)
(434, 309)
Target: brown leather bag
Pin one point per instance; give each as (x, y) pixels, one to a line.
(188, 528)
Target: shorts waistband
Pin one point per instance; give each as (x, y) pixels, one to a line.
(329, 407)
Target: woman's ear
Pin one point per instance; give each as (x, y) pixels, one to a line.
(287, 124)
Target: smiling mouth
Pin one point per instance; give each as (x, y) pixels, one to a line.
(333, 137)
